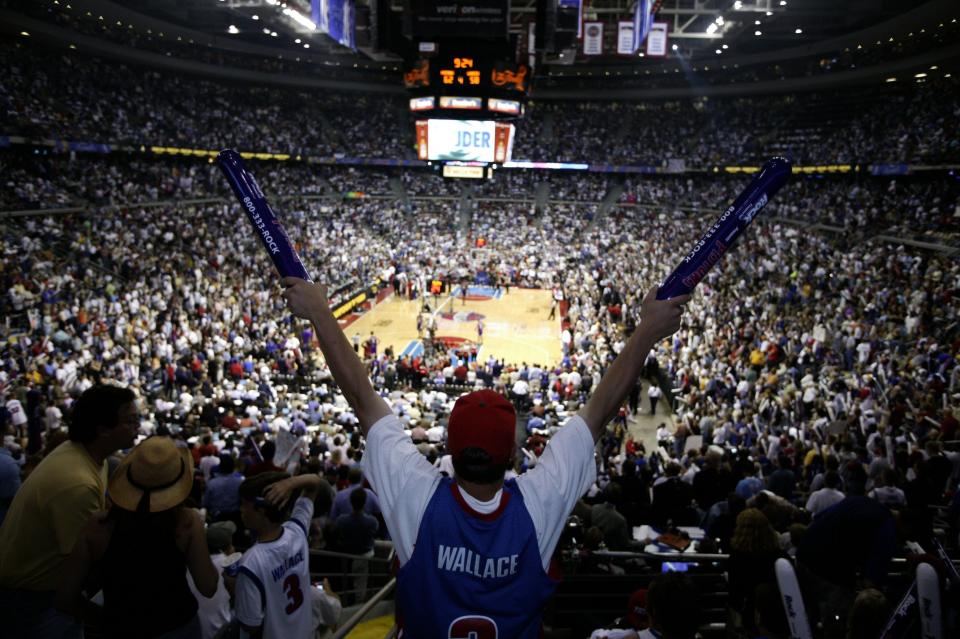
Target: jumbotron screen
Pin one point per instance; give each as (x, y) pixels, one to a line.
(464, 140)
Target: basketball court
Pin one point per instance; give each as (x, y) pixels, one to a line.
(515, 325)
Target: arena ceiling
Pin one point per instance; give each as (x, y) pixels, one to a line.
(733, 33)
(779, 23)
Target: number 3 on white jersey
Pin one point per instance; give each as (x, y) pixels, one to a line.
(472, 628)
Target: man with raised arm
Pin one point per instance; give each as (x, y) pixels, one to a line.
(474, 549)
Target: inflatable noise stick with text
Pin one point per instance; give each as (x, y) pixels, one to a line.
(725, 231)
(265, 222)
(792, 600)
(921, 601)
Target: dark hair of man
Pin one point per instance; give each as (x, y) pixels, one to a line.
(673, 604)
(354, 475)
(358, 499)
(252, 489)
(831, 479)
(227, 465)
(268, 450)
(98, 406)
(476, 466)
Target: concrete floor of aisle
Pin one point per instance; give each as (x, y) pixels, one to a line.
(643, 426)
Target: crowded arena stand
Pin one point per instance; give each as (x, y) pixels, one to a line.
(486, 209)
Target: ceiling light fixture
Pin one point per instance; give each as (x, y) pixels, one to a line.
(757, 33)
(233, 29)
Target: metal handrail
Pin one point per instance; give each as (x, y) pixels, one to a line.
(358, 616)
(344, 555)
(692, 556)
(392, 633)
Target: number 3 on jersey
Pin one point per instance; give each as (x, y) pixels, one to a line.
(472, 628)
(291, 587)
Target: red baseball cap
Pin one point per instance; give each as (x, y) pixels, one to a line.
(485, 420)
(637, 609)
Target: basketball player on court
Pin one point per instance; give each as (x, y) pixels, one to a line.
(475, 550)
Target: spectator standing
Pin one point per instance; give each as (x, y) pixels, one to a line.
(782, 482)
(341, 503)
(827, 496)
(654, 393)
(221, 497)
(9, 480)
(142, 550)
(268, 451)
(754, 548)
(274, 574)
(356, 533)
(49, 512)
(476, 546)
(215, 612)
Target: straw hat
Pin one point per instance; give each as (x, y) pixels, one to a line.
(155, 476)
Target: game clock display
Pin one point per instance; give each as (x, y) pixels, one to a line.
(462, 73)
(472, 72)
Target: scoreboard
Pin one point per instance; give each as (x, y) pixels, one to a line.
(450, 140)
(465, 94)
(445, 85)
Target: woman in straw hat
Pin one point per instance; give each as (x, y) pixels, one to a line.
(140, 550)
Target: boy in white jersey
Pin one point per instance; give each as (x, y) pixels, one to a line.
(273, 584)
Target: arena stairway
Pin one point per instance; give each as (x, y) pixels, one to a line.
(396, 186)
(465, 210)
(61, 248)
(541, 195)
(615, 188)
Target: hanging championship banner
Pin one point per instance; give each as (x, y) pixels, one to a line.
(625, 38)
(642, 18)
(657, 39)
(532, 44)
(592, 38)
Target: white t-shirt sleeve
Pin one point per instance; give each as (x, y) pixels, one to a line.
(402, 478)
(248, 600)
(562, 475)
(302, 514)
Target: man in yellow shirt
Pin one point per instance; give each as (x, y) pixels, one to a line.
(53, 505)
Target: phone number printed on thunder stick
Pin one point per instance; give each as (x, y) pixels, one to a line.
(264, 220)
(725, 231)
